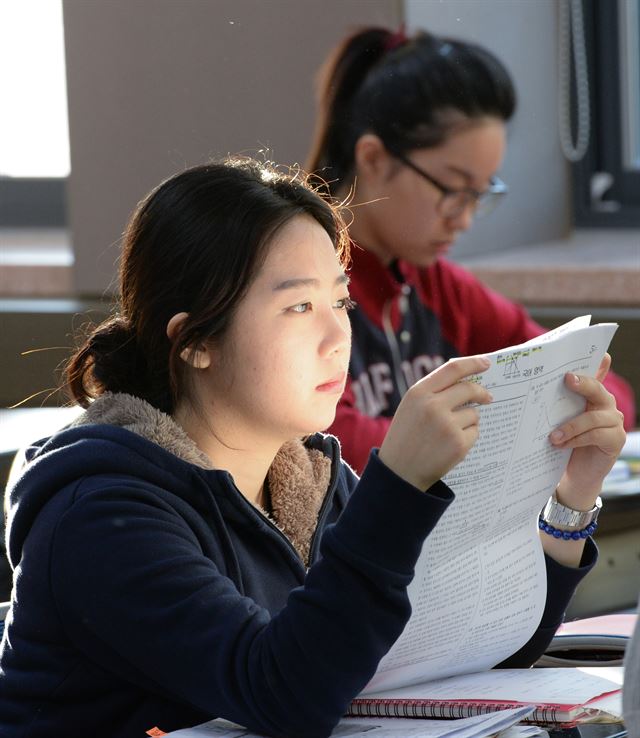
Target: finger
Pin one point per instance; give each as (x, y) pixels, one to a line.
(453, 371)
(466, 438)
(590, 388)
(470, 434)
(590, 420)
(608, 440)
(463, 393)
(604, 367)
(466, 417)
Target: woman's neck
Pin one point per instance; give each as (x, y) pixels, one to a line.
(247, 459)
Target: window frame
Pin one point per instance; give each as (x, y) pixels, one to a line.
(33, 202)
(605, 150)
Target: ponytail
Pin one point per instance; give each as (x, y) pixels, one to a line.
(110, 360)
(340, 78)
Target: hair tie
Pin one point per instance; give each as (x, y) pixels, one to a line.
(445, 49)
(395, 40)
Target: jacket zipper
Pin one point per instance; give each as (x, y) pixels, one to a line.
(322, 514)
(396, 357)
(255, 511)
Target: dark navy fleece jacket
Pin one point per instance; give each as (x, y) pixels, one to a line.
(149, 592)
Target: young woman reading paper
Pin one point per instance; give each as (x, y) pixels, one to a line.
(193, 546)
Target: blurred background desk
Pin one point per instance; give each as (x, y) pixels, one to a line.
(614, 583)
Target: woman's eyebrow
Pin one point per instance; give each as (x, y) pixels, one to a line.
(462, 173)
(297, 282)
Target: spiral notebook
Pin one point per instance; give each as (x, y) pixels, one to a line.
(562, 696)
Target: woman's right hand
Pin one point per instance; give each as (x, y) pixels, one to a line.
(433, 428)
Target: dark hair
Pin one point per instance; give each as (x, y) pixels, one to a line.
(194, 244)
(404, 90)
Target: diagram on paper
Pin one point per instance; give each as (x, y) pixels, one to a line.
(510, 369)
(552, 414)
(511, 363)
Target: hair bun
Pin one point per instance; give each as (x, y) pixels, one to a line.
(109, 361)
(114, 355)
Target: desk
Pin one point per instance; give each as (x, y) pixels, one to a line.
(614, 583)
(591, 267)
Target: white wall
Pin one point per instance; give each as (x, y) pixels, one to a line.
(523, 34)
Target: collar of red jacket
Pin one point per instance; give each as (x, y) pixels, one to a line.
(371, 279)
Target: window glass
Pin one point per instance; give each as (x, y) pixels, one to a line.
(607, 179)
(34, 136)
(629, 23)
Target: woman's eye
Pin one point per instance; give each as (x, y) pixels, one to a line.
(302, 307)
(346, 303)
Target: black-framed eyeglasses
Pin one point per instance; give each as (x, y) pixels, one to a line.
(455, 201)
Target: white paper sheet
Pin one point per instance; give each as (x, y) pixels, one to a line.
(480, 583)
(565, 686)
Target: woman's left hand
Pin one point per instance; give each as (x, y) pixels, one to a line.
(596, 437)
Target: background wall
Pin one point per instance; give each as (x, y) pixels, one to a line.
(523, 34)
(158, 85)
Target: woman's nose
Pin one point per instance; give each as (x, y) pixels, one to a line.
(463, 220)
(338, 334)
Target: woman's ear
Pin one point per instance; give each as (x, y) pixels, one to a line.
(197, 357)
(373, 161)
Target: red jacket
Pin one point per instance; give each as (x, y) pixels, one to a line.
(407, 322)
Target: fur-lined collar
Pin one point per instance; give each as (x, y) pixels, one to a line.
(298, 477)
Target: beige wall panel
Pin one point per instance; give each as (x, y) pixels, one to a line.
(157, 85)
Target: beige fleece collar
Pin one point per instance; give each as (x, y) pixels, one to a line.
(298, 477)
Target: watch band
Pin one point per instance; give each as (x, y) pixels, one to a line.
(556, 514)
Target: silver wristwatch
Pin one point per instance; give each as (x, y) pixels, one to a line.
(556, 514)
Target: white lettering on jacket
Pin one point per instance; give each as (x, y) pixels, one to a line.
(374, 388)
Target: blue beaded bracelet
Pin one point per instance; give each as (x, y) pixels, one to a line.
(567, 535)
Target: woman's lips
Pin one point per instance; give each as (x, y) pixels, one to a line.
(335, 384)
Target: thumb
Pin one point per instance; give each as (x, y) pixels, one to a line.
(604, 367)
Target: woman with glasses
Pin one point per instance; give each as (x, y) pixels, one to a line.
(412, 132)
